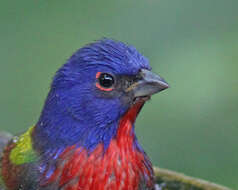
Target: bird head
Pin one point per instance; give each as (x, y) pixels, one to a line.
(93, 90)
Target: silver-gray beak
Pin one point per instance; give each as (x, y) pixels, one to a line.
(149, 84)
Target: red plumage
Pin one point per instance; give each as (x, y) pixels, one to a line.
(122, 166)
(84, 138)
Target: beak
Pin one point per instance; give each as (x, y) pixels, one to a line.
(149, 84)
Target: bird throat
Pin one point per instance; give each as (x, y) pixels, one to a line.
(123, 165)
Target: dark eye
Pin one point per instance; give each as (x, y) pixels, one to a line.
(106, 80)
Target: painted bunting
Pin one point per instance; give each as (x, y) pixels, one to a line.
(85, 138)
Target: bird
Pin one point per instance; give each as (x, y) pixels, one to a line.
(85, 136)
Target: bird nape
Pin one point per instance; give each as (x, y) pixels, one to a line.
(85, 138)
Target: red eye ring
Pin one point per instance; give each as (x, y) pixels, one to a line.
(104, 89)
(98, 74)
(105, 81)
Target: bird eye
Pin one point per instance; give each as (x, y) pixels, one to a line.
(105, 81)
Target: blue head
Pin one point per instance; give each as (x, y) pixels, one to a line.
(91, 92)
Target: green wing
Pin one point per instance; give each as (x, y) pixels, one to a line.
(23, 152)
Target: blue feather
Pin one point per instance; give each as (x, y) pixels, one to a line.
(74, 113)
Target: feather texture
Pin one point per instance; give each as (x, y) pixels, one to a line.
(85, 138)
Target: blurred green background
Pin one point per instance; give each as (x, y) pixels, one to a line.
(191, 127)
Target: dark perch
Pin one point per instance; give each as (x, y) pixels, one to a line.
(169, 180)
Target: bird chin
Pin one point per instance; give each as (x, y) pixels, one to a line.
(141, 99)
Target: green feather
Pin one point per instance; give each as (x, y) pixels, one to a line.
(23, 152)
